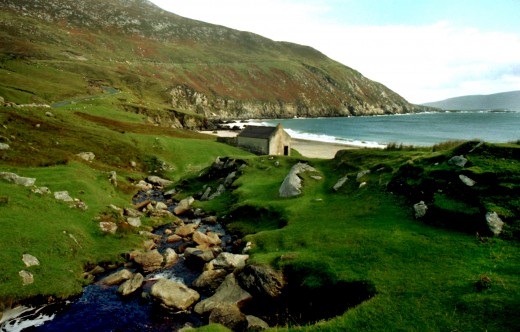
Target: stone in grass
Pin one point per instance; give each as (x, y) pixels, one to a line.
(420, 209)
(30, 260)
(494, 222)
(27, 277)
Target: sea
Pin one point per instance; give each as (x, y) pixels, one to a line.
(418, 129)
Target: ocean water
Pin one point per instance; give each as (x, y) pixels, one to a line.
(423, 129)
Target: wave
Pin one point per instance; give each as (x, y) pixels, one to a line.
(332, 139)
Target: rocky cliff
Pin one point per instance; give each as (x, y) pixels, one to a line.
(166, 62)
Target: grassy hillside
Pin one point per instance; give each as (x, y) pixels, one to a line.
(497, 101)
(56, 50)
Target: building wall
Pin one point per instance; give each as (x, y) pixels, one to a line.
(257, 145)
(280, 143)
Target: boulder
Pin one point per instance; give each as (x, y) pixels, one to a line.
(229, 261)
(159, 181)
(63, 196)
(134, 221)
(27, 277)
(170, 257)
(291, 185)
(340, 183)
(206, 241)
(143, 185)
(174, 295)
(420, 209)
(173, 238)
(362, 174)
(108, 227)
(184, 205)
(161, 206)
(185, 230)
(197, 258)
(210, 220)
(220, 190)
(149, 245)
(150, 261)
(41, 191)
(209, 280)
(131, 285)
(494, 223)
(19, 180)
(256, 324)
(466, 180)
(262, 281)
(205, 196)
(459, 161)
(130, 212)
(229, 179)
(117, 277)
(229, 315)
(229, 292)
(30, 260)
(87, 156)
(113, 178)
(4, 146)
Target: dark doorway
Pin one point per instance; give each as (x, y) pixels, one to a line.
(285, 150)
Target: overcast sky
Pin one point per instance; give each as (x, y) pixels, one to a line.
(425, 50)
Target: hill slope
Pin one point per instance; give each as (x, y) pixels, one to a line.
(505, 100)
(53, 50)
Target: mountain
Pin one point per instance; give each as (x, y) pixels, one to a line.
(497, 101)
(169, 66)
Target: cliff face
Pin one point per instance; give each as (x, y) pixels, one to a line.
(168, 61)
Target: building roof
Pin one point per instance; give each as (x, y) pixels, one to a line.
(258, 132)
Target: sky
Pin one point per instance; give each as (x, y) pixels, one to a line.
(425, 50)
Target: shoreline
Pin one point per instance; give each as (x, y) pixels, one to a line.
(307, 148)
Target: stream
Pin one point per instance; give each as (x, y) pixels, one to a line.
(100, 308)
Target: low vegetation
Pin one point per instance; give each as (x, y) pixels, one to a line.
(420, 274)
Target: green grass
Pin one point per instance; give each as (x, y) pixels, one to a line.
(426, 278)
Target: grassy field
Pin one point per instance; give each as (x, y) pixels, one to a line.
(426, 275)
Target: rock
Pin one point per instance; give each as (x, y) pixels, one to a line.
(131, 285)
(196, 258)
(151, 236)
(134, 221)
(170, 257)
(30, 260)
(210, 220)
(420, 209)
(49, 114)
(262, 281)
(113, 178)
(159, 181)
(108, 227)
(161, 206)
(229, 292)
(229, 179)
(184, 206)
(27, 277)
(185, 230)
(466, 180)
(133, 164)
(362, 184)
(209, 280)
(459, 161)
(4, 146)
(362, 173)
(340, 183)
(229, 315)
(143, 185)
(229, 261)
(256, 324)
(117, 277)
(173, 238)
(494, 222)
(150, 261)
(2, 101)
(41, 191)
(220, 190)
(19, 180)
(291, 186)
(317, 177)
(96, 270)
(206, 241)
(63, 196)
(149, 245)
(206, 195)
(171, 192)
(87, 156)
(131, 212)
(174, 295)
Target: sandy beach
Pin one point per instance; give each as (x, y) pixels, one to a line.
(307, 148)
